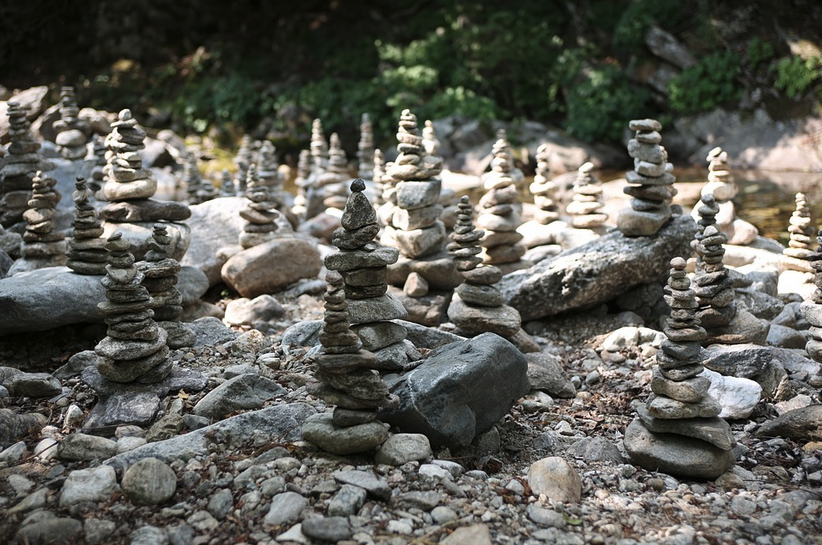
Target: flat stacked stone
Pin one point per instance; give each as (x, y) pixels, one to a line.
(801, 230)
(499, 213)
(319, 164)
(811, 308)
(378, 174)
(477, 305)
(678, 430)
(651, 183)
(705, 215)
(243, 160)
(193, 180)
(22, 162)
(268, 169)
(430, 142)
(365, 149)
(72, 132)
(363, 265)
(160, 279)
(301, 182)
(333, 182)
(347, 378)
(207, 191)
(87, 253)
(544, 189)
(586, 205)
(98, 151)
(135, 348)
(42, 245)
(260, 214)
(722, 185)
(227, 188)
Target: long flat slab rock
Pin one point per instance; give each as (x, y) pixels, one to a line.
(596, 272)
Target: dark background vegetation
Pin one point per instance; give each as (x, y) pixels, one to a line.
(269, 67)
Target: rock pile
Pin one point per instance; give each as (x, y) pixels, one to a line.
(43, 246)
(430, 142)
(651, 183)
(365, 149)
(301, 182)
(363, 265)
(499, 213)
(811, 308)
(98, 151)
(722, 185)
(678, 430)
(544, 189)
(72, 132)
(22, 162)
(800, 246)
(260, 214)
(319, 164)
(333, 183)
(378, 175)
(347, 379)
(134, 349)
(586, 206)
(227, 188)
(268, 170)
(87, 253)
(193, 180)
(243, 160)
(160, 279)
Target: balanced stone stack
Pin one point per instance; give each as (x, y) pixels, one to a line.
(430, 142)
(377, 176)
(365, 149)
(98, 151)
(135, 348)
(477, 305)
(499, 213)
(705, 214)
(586, 205)
(22, 162)
(193, 180)
(42, 245)
(301, 182)
(72, 132)
(811, 308)
(544, 189)
(243, 160)
(260, 214)
(207, 191)
(227, 188)
(87, 253)
(363, 266)
(651, 183)
(268, 169)
(722, 185)
(801, 230)
(333, 183)
(160, 280)
(319, 164)
(678, 430)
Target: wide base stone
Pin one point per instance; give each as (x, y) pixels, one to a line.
(635, 223)
(675, 454)
(322, 432)
(473, 320)
(712, 430)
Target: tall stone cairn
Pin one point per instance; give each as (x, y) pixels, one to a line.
(22, 162)
(333, 183)
(365, 149)
(227, 188)
(193, 180)
(721, 183)
(260, 213)
(800, 245)
(160, 280)
(127, 180)
(41, 242)
(679, 430)
(477, 305)
(416, 228)
(714, 288)
(363, 265)
(319, 165)
(301, 181)
(207, 191)
(544, 189)
(499, 213)
(98, 150)
(586, 205)
(430, 142)
(706, 211)
(135, 348)
(811, 308)
(243, 160)
(72, 132)
(651, 183)
(348, 379)
(87, 253)
(268, 169)
(378, 174)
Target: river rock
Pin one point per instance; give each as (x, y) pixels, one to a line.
(149, 482)
(556, 479)
(402, 448)
(272, 266)
(243, 392)
(803, 424)
(95, 484)
(737, 396)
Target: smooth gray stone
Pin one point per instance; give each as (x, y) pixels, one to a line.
(82, 447)
(367, 480)
(545, 373)
(242, 392)
(428, 337)
(804, 424)
(149, 482)
(285, 509)
(210, 331)
(331, 529)
(712, 430)
(321, 431)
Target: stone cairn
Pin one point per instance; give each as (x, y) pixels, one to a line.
(193, 180)
(98, 150)
(243, 160)
(651, 183)
(319, 164)
(268, 169)
(499, 213)
(227, 188)
(586, 205)
(430, 142)
(544, 189)
(678, 430)
(477, 305)
(811, 308)
(378, 175)
(22, 162)
(365, 149)
(87, 253)
(135, 348)
(72, 132)
(333, 183)
(800, 245)
(301, 181)
(722, 185)
(363, 265)
(260, 214)
(160, 279)
(207, 191)
(348, 379)
(42, 245)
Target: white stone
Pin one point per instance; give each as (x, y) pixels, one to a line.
(89, 485)
(737, 396)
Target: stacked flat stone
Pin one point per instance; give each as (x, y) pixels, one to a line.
(363, 266)
(586, 205)
(365, 149)
(544, 189)
(227, 188)
(207, 191)
(811, 308)
(22, 162)
(378, 174)
(477, 305)
(98, 150)
(135, 348)
(243, 160)
(160, 280)
(499, 213)
(722, 185)
(651, 183)
(260, 214)
(319, 165)
(416, 227)
(706, 211)
(714, 287)
(678, 430)
(193, 180)
(429, 139)
(333, 182)
(268, 169)
(72, 132)
(800, 245)
(301, 181)
(87, 253)
(41, 243)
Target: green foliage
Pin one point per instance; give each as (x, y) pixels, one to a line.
(758, 52)
(795, 75)
(711, 82)
(633, 23)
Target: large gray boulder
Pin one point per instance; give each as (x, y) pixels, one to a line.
(460, 391)
(214, 224)
(597, 271)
